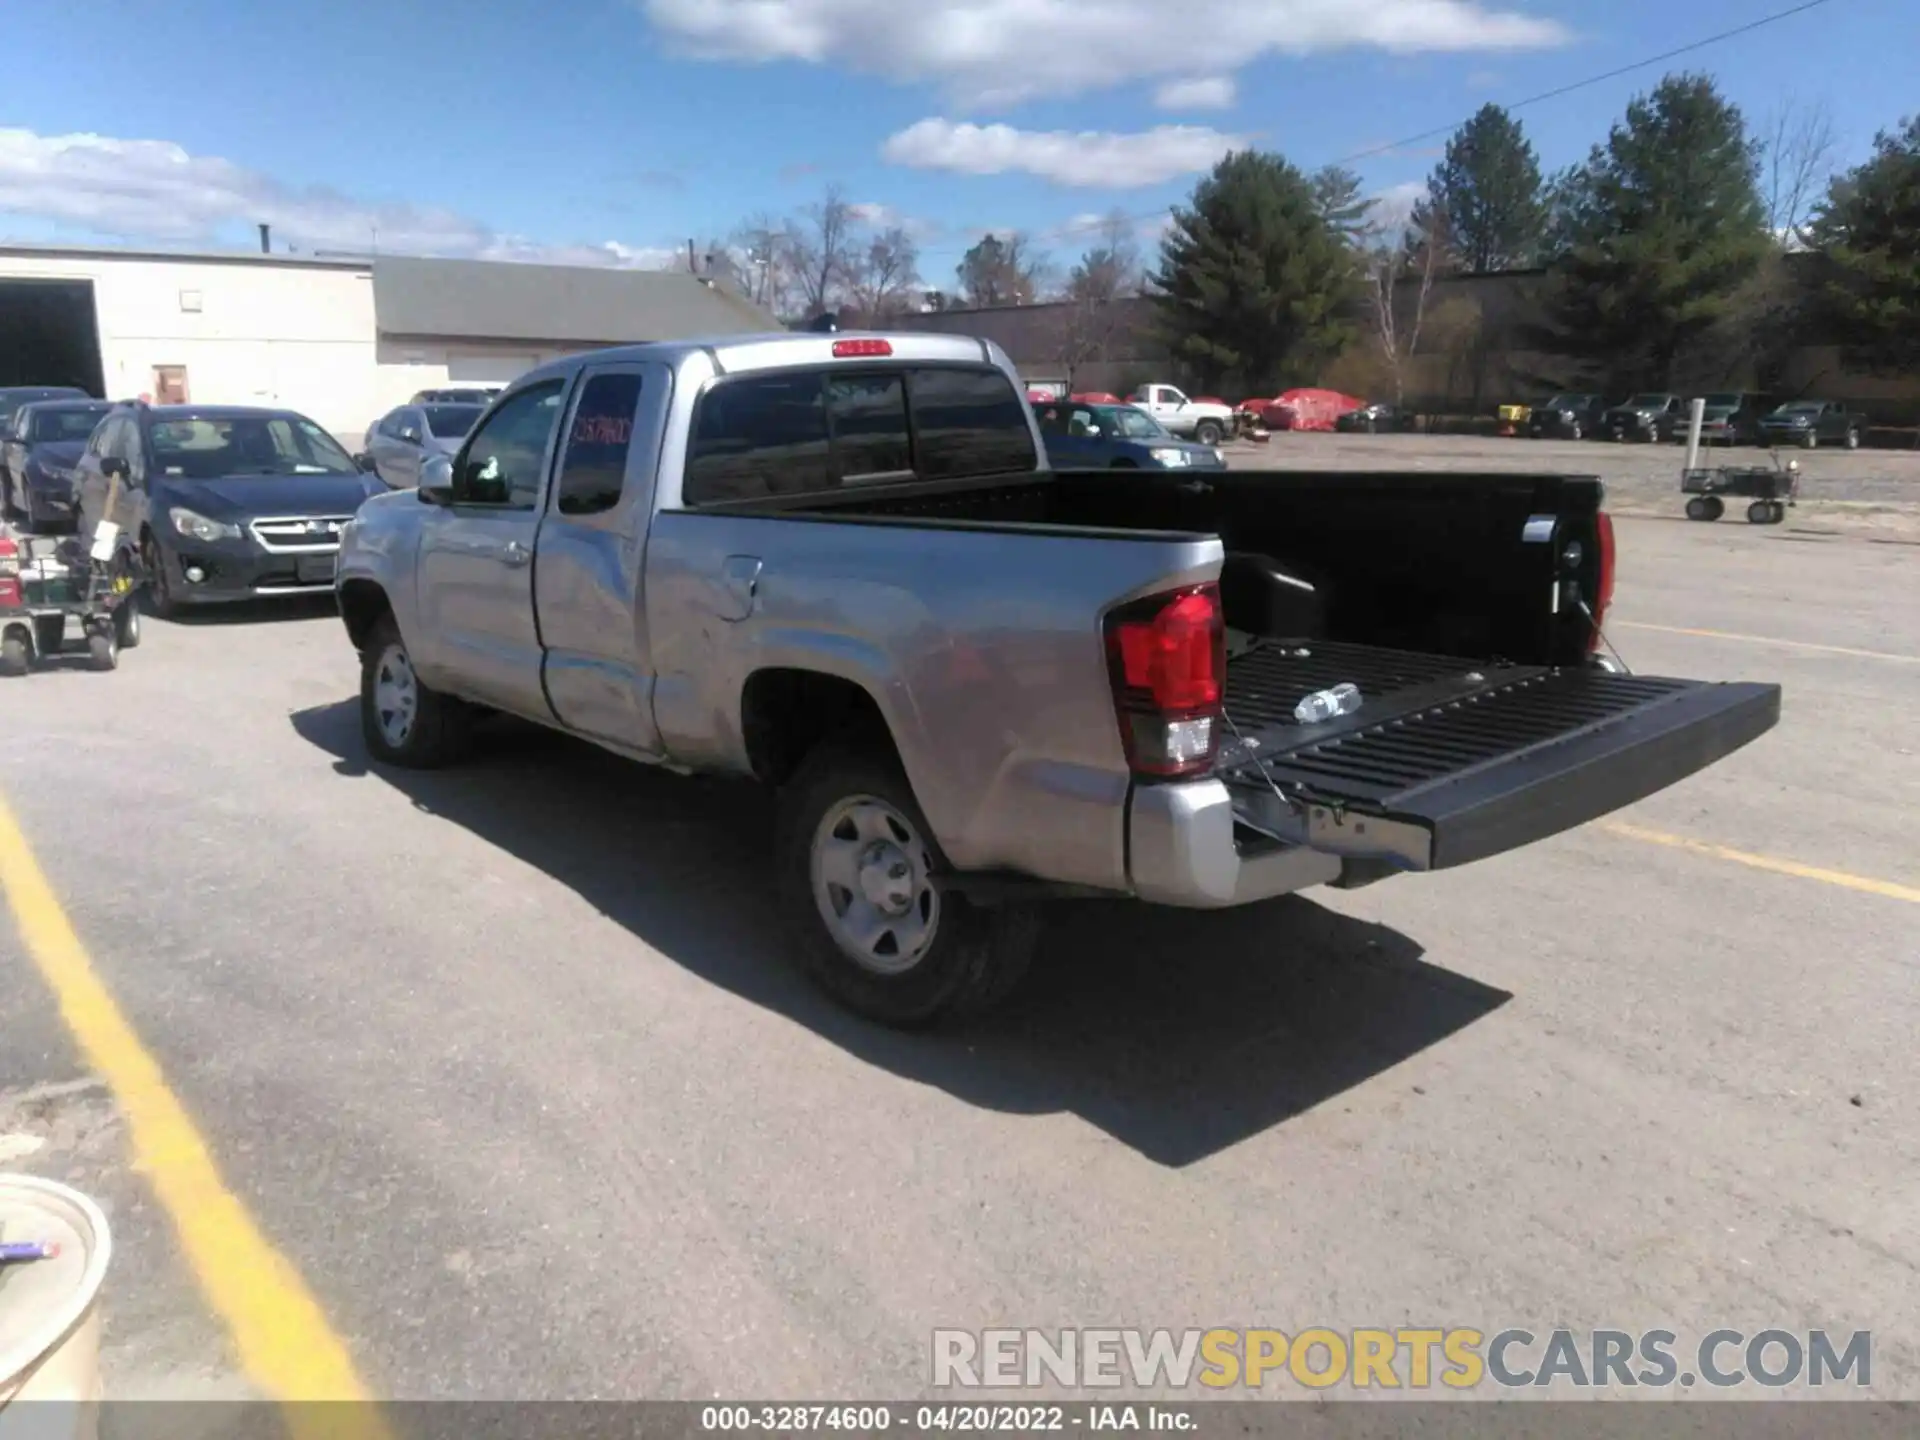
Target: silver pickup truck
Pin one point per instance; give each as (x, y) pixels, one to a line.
(838, 563)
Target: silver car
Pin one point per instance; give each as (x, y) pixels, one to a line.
(402, 438)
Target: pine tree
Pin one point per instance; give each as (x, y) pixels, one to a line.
(1252, 276)
(1868, 233)
(1487, 196)
(1661, 229)
(1336, 191)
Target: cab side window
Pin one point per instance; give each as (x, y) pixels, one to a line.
(593, 470)
(502, 464)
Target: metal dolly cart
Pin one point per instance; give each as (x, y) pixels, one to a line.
(1769, 489)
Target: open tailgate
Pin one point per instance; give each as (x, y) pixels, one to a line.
(1459, 764)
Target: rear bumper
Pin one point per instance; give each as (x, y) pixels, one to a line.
(1209, 845)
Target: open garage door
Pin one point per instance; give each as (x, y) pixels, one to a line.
(488, 369)
(49, 334)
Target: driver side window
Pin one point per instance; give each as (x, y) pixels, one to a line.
(502, 464)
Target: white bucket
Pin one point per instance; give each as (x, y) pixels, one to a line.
(50, 1312)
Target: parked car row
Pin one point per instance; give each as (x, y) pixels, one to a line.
(1729, 418)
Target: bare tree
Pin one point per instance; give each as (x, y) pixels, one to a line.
(1002, 271)
(822, 250)
(765, 247)
(1801, 148)
(884, 274)
(1109, 273)
(1392, 259)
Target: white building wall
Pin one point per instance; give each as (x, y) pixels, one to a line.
(248, 334)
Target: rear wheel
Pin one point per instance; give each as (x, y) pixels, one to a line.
(858, 884)
(1760, 512)
(403, 720)
(16, 653)
(1700, 507)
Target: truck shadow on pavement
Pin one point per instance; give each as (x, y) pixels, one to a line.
(1179, 1033)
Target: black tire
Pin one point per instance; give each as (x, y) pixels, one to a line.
(1208, 432)
(1699, 509)
(1809, 441)
(440, 725)
(160, 599)
(126, 624)
(103, 651)
(1779, 512)
(1573, 431)
(1760, 512)
(1853, 439)
(976, 955)
(16, 654)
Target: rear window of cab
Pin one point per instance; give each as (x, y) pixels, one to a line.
(802, 432)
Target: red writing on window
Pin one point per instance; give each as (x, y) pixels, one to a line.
(601, 430)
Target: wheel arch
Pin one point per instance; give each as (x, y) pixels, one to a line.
(786, 712)
(363, 603)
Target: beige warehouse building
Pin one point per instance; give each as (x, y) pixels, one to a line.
(341, 340)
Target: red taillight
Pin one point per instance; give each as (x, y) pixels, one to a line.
(1604, 596)
(10, 597)
(850, 349)
(1167, 660)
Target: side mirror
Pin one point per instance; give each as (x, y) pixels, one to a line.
(364, 463)
(434, 494)
(410, 435)
(436, 472)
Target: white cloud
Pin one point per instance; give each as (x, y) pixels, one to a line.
(153, 190)
(1090, 158)
(1208, 92)
(999, 51)
(1393, 206)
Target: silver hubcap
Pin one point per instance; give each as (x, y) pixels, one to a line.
(872, 882)
(396, 695)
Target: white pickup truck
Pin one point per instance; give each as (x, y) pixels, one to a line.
(1189, 419)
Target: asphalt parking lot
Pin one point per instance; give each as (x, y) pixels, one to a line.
(504, 1063)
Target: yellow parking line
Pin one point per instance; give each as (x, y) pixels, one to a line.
(1771, 640)
(1885, 888)
(285, 1344)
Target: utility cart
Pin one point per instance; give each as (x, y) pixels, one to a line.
(44, 581)
(1769, 489)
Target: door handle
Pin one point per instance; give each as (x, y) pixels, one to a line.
(740, 576)
(515, 554)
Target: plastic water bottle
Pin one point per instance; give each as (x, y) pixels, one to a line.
(1342, 699)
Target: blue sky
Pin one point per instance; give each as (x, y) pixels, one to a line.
(610, 131)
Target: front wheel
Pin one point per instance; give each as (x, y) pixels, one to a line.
(1208, 432)
(103, 651)
(1809, 441)
(858, 883)
(1853, 439)
(1573, 431)
(126, 624)
(403, 720)
(160, 597)
(16, 654)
